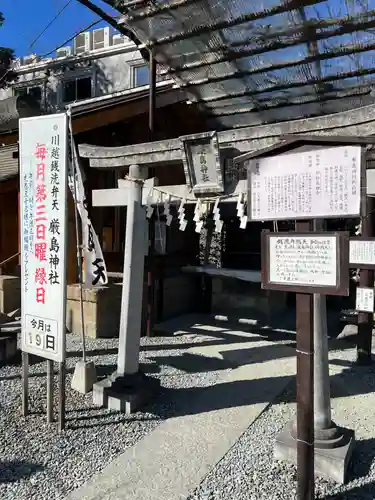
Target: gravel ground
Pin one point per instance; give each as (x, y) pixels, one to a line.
(249, 472)
(38, 463)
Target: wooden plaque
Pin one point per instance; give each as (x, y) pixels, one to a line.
(306, 262)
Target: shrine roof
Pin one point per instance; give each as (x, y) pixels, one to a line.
(256, 62)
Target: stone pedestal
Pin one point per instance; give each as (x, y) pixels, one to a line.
(101, 309)
(127, 393)
(333, 451)
(333, 445)
(84, 377)
(10, 293)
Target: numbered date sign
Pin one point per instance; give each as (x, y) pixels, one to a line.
(306, 263)
(43, 194)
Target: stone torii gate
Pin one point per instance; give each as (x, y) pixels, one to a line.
(127, 389)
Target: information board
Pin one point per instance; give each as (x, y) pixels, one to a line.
(362, 252)
(310, 263)
(43, 194)
(364, 301)
(321, 183)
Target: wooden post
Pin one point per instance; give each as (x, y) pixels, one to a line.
(305, 389)
(366, 279)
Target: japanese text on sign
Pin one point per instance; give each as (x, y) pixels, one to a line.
(303, 260)
(43, 164)
(362, 252)
(364, 299)
(318, 183)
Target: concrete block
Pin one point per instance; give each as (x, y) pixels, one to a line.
(84, 377)
(10, 293)
(8, 348)
(124, 394)
(331, 463)
(101, 309)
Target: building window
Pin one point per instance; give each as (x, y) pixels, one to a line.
(140, 75)
(77, 89)
(35, 92)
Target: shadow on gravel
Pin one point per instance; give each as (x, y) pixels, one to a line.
(364, 492)
(362, 459)
(13, 471)
(231, 358)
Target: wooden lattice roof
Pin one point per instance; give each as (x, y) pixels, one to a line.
(247, 62)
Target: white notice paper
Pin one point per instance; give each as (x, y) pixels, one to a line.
(43, 193)
(320, 183)
(303, 260)
(364, 301)
(362, 252)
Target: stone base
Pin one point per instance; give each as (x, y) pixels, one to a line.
(331, 463)
(125, 394)
(84, 377)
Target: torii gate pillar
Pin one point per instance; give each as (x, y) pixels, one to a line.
(127, 389)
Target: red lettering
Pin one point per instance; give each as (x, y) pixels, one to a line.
(41, 193)
(40, 276)
(41, 152)
(41, 295)
(40, 251)
(41, 232)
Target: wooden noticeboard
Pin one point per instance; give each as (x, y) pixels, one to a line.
(306, 262)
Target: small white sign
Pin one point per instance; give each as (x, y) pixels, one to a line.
(364, 300)
(303, 260)
(362, 252)
(313, 184)
(43, 193)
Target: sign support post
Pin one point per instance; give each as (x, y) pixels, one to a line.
(305, 389)
(49, 391)
(62, 396)
(25, 384)
(366, 279)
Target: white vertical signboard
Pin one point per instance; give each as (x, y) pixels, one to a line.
(43, 194)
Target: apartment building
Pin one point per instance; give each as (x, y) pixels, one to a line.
(98, 62)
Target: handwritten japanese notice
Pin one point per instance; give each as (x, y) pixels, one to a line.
(362, 252)
(364, 299)
(43, 174)
(313, 184)
(303, 260)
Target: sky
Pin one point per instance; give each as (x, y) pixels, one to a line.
(25, 20)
